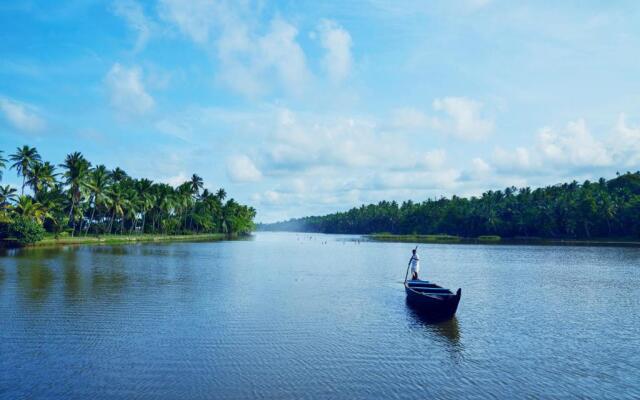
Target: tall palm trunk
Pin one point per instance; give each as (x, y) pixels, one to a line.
(90, 219)
(113, 215)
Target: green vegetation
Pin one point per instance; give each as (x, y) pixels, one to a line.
(26, 230)
(489, 238)
(116, 239)
(84, 201)
(602, 209)
(416, 238)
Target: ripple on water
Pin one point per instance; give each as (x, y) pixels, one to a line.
(285, 316)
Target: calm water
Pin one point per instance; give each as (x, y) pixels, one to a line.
(286, 316)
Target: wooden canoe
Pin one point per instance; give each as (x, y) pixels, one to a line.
(431, 300)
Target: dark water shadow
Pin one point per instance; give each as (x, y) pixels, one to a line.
(447, 331)
(35, 280)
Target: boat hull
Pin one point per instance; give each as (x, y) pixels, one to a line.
(433, 302)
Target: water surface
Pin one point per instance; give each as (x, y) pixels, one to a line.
(316, 316)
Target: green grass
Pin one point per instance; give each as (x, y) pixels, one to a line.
(441, 238)
(115, 239)
(489, 238)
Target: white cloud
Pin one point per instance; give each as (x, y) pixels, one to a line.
(464, 119)
(133, 13)
(303, 141)
(459, 116)
(415, 180)
(519, 159)
(337, 43)
(176, 180)
(573, 150)
(626, 143)
(271, 196)
(128, 95)
(574, 146)
(433, 160)
(248, 58)
(480, 167)
(279, 50)
(241, 169)
(411, 119)
(194, 18)
(21, 116)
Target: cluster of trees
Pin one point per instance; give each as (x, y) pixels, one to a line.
(76, 198)
(571, 210)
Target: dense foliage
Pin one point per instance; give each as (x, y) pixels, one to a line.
(26, 230)
(83, 199)
(571, 210)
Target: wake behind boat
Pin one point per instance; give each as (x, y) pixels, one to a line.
(431, 300)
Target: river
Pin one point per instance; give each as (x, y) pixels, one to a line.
(292, 316)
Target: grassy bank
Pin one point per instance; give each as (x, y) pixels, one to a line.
(120, 239)
(494, 239)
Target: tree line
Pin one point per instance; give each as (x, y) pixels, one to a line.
(77, 198)
(602, 209)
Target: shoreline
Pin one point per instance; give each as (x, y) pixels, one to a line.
(497, 240)
(119, 239)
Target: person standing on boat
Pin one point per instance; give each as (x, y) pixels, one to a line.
(415, 265)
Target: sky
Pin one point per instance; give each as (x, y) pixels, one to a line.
(305, 107)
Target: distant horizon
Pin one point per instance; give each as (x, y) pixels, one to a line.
(305, 109)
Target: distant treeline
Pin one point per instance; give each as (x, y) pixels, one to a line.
(589, 210)
(77, 198)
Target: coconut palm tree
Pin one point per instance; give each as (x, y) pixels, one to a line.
(221, 194)
(145, 197)
(76, 167)
(27, 207)
(196, 184)
(97, 184)
(42, 176)
(118, 175)
(3, 163)
(7, 194)
(23, 160)
(117, 202)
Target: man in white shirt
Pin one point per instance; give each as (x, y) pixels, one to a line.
(415, 265)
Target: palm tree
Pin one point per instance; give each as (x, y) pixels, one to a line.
(26, 207)
(221, 194)
(3, 163)
(97, 184)
(117, 202)
(118, 175)
(7, 194)
(145, 197)
(24, 159)
(76, 167)
(196, 184)
(41, 177)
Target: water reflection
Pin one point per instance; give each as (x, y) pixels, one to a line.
(72, 280)
(35, 280)
(110, 282)
(448, 330)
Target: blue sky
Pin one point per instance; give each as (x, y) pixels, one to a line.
(306, 107)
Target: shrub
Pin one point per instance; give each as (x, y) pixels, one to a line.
(26, 230)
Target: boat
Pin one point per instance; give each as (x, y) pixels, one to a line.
(430, 300)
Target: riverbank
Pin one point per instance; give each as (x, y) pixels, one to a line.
(121, 239)
(449, 239)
